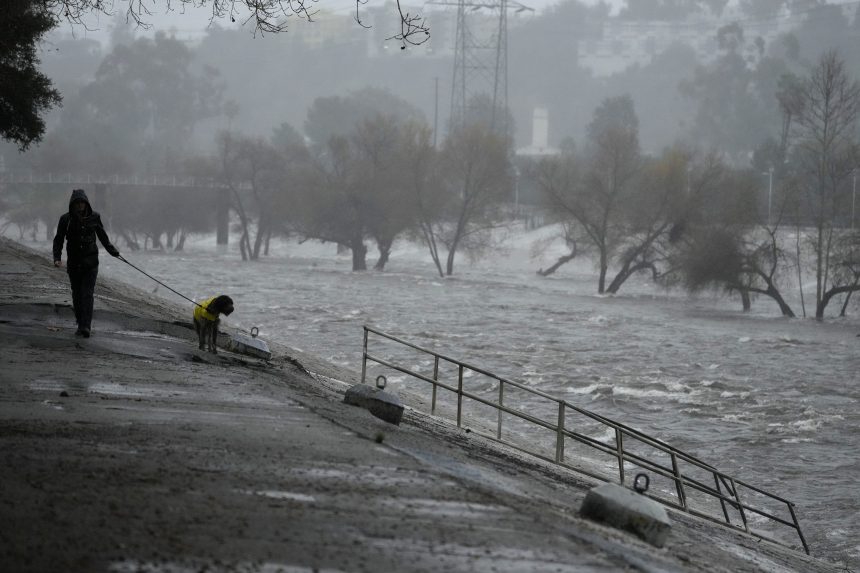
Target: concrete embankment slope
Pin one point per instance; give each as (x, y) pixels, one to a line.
(132, 451)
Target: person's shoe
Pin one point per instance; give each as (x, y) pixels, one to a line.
(79, 332)
(85, 332)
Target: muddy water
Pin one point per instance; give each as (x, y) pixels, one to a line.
(770, 400)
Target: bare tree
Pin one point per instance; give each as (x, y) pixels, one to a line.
(746, 263)
(571, 241)
(251, 168)
(267, 16)
(825, 107)
(360, 186)
(476, 177)
(727, 242)
(377, 145)
(421, 163)
(332, 205)
(558, 178)
(596, 194)
(658, 209)
(720, 256)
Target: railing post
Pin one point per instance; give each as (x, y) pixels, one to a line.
(619, 451)
(797, 527)
(679, 485)
(435, 379)
(459, 395)
(740, 504)
(501, 403)
(364, 357)
(559, 440)
(722, 501)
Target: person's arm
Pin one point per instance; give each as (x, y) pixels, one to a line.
(105, 240)
(59, 238)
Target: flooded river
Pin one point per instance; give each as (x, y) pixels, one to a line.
(771, 400)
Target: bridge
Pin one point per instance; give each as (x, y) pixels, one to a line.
(29, 177)
(100, 186)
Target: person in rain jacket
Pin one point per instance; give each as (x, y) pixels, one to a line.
(79, 228)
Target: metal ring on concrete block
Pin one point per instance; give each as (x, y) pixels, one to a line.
(381, 385)
(254, 331)
(641, 488)
(381, 404)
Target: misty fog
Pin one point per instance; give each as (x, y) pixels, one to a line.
(565, 57)
(674, 154)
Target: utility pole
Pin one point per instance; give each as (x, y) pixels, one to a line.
(436, 112)
(769, 174)
(853, 195)
(769, 192)
(516, 190)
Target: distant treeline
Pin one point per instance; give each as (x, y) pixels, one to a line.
(368, 169)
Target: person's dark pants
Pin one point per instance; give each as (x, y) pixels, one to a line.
(83, 284)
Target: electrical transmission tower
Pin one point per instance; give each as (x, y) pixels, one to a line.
(479, 90)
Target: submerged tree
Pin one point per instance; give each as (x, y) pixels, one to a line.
(559, 178)
(377, 145)
(331, 206)
(825, 111)
(657, 212)
(253, 170)
(730, 246)
(360, 187)
(423, 187)
(476, 177)
(597, 196)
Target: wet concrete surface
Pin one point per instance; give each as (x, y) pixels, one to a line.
(133, 451)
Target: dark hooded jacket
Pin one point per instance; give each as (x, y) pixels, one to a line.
(80, 235)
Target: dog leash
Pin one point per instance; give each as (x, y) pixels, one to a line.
(123, 259)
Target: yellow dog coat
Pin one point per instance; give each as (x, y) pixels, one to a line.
(201, 311)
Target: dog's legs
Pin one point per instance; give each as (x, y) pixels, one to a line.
(214, 349)
(201, 334)
(207, 334)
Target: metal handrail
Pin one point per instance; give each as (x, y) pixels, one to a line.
(722, 481)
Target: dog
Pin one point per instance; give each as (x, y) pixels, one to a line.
(206, 320)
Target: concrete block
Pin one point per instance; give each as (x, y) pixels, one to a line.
(381, 404)
(250, 345)
(625, 509)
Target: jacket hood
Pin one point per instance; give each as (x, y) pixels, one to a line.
(80, 195)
